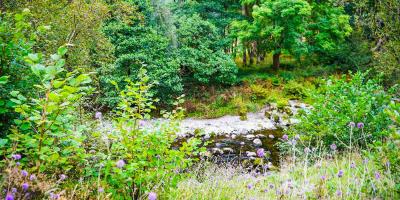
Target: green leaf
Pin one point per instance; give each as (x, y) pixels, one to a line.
(14, 93)
(62, 50)
(37, 69)
(3, 80)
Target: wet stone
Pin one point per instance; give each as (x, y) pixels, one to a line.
(257, 142)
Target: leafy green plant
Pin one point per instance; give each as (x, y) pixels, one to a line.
(44, 131)
(295, 90)
(138, 160)
(358, 103)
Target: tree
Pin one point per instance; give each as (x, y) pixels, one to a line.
(283, 23)
(298, 27)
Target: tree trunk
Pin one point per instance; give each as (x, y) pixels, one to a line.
(244, 56)
(276, 61)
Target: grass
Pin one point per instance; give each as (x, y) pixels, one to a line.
(299, 180)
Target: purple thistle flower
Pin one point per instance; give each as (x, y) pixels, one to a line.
(271, 186)
(54, 196)
(100, 190)
(32, 177)
(120, 163)
(9, 196)
(63, 177)
(25, 186)
(340, 173)
(271, 136)
(98, 115)
(293, 142)
(249, 186)
(265, 190)
(353, 165)
(333, 147)
(387, 164)
(285, 137)
(152, 196)
(24, 173)
(339, 192)
(323, 177)
(377, 175)
(18, 163)
(14, 190)
(16, 156)
(365, 161)
(261, 153)
(141, 123)
(360, 125)
(297, 137)
(352, 124)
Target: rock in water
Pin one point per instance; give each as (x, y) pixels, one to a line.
(257, 142)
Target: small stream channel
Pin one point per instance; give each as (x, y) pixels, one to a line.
(241, 149)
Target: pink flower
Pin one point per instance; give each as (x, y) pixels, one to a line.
(152, 196)
(120, 163)
(260, 153)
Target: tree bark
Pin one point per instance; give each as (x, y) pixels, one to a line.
(244, 56)
(276, 61)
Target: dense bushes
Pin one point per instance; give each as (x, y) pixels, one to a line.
(348, 102)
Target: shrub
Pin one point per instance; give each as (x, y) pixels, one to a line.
(342, 101)
(137, 160)
(44, 131)
(295, 90)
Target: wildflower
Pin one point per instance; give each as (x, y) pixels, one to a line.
(352, 124)
(333, 147)
(260, 153)
(16, 156)
(360, 125)
(100, 190)
(353, 165)
(365, 161)
(98, 115)
(54, 196)
(293, 142)
(387, 164)
(32, 177)
(339, 192)
(25, 186)
(141, 123)
(18, 163)
(271, 186)
(152, 196)
(377, 175)
(120, 163)
(14, 190)
(340, 173)
(249, 186)
(9, 196)
(24, 173)
(63, 177)
(271, 136)
(285, 137)
(297, 137)
(323, 177)
(307, 150)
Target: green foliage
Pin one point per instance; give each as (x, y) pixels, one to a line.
(147, 159)
(188, 52)
(387, 154)
(295, 90)
(17, 38)
(43, 132)
(340, 102)
(199, 53)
